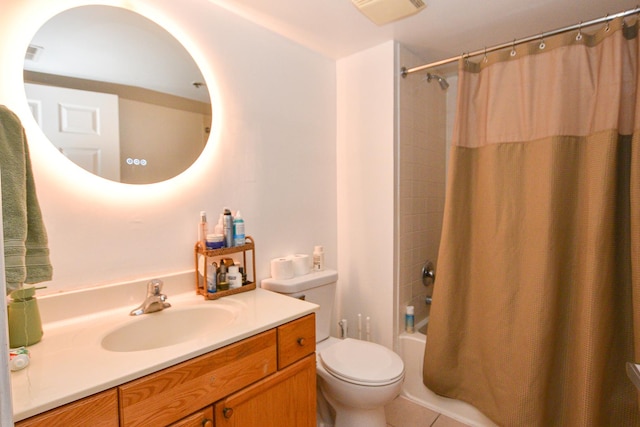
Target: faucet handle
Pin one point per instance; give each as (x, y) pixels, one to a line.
(154, 287)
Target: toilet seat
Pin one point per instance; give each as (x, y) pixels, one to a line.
(363, 363)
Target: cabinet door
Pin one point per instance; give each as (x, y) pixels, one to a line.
(202, 418)
(98, 410)
(285, 399)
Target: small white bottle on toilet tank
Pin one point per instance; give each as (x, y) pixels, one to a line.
(318, 258)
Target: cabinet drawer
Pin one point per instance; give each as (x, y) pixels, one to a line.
(296, 340)
(175, 392)
(98, 410)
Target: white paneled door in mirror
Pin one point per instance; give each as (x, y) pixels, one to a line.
(82, 125)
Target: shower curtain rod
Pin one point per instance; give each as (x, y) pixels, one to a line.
(404, 71)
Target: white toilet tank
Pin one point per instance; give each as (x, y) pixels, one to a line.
(318, 287)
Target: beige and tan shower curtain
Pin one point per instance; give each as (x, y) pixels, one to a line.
(536, 307)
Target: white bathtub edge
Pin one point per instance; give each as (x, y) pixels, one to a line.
(411, 350)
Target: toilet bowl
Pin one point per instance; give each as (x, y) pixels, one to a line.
(356, 378)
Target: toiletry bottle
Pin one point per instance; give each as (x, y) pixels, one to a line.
(238, 229)
(223, 283)
(227, 226)
(212, 278)
(409, 320)
(218, 229)
(202, 229)
(234, 278)
(318, 258)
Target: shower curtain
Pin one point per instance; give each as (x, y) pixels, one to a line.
(536, 307)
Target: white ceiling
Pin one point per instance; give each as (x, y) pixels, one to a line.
(335, 28)
(444, 29)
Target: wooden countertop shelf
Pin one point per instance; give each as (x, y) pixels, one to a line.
(200, 280)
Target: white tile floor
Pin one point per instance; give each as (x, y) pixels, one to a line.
(404, 413)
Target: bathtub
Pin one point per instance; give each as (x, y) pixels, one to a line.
(411, 350)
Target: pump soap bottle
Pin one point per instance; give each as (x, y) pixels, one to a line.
(25, 326)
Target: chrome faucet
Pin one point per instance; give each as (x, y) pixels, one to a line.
(154, 301)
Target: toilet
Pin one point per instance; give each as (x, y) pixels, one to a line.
(357, 378)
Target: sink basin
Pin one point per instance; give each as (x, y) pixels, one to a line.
(168, 327)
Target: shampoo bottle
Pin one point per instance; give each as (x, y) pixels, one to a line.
(409, 320)
(238, 230)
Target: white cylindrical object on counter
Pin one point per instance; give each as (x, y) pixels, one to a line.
(301, 264)
(282, 268)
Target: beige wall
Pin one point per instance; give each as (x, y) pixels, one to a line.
(422, 174)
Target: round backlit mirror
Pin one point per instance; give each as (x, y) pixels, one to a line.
(117, 95)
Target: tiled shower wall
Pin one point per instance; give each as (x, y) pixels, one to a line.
(424, 129)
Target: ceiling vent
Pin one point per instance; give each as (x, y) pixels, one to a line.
(384, 11)
(33, 52)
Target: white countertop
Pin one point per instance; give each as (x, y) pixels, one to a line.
(70, 363)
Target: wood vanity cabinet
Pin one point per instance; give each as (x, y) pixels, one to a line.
(101, 409)
(245, 377)
(265, 380)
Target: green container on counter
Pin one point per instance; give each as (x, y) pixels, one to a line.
(25, 326)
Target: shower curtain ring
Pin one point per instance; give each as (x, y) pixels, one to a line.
(485, 55)
(608, 21)
(513, 48)
(542, 43)
(579, 36)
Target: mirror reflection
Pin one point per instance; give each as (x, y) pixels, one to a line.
(117, 95)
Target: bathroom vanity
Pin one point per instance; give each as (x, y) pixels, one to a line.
(258, 371)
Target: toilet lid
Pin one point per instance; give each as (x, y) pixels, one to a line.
(362, 362)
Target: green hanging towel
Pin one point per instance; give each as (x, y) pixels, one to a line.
(26, 250)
